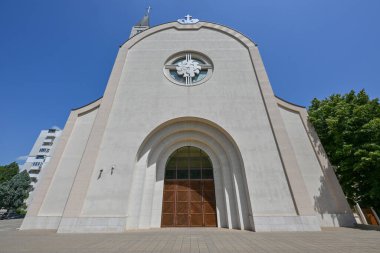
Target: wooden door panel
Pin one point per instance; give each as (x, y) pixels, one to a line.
(183, 196)
(196, 196)
(209, 207)
(208, 185)
(182, 220)
(210, 220)
(189, 203)
(208, 196)
(196, 208)
(182, 207)
(169, 196)
(196, 220)
(170, 186)
(196, 185)
(168, 220)
(182, 185)
(168, 207)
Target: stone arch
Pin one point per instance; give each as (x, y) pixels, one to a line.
(232, 199)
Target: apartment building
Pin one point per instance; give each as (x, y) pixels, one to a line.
(41, 153)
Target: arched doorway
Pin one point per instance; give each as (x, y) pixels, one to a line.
(189, 191)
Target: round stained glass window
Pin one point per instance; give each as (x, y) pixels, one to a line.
(188, 69)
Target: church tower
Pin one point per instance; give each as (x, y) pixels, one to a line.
(142, 25)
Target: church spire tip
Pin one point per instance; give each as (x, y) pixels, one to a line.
(142, 25)
(148, 11)
(145, 20)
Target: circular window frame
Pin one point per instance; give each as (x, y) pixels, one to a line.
(196, 55)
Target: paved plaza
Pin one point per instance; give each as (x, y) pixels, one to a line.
(187, 240)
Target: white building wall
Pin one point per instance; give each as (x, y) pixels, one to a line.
(146, 99)
(233, 116)
(59, 190)
(325, 199)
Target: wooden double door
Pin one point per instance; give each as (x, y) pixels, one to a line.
(189, 203)
(189, 192)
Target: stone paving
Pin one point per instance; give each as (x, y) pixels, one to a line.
(187, 240)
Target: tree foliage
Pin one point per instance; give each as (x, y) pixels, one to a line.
(8, 171)
(14, 191)
(349, 129)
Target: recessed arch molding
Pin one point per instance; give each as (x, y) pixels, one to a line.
(232, 201)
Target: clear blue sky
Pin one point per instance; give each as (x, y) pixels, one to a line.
(56, 55)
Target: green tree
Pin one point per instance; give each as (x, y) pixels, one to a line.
(349, 129)
(14, 192)
(8, 171)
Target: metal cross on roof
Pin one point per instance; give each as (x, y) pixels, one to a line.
(188, 20)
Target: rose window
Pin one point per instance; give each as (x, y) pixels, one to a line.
(188, 69)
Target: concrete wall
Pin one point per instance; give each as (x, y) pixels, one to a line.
(322, 186)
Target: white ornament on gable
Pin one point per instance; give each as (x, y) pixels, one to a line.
(188, 67)
(188, 20)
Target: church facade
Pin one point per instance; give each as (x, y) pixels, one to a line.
(188, 134)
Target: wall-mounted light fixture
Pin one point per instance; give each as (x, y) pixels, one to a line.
(100, 173)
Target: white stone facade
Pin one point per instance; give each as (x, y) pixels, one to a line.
(270, 170)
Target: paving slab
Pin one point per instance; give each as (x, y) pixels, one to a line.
(187, 240)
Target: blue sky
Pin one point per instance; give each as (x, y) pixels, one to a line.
(56, 55)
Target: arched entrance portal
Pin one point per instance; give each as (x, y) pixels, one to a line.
(189, 191)
(145, 203)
